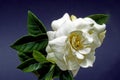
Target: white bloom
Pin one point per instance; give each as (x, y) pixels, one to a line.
(73, 41)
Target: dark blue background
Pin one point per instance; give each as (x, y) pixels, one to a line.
(13, 21)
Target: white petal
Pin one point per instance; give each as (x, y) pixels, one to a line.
(51, 57)
(89, 60)
(80, 22)
(65, 29)
(58, 46)
(102, 36)
(82, 25)
(79, 56)
(48, 49)
(58, 43)
(56, 24)
(61, 64)
(74, 72)
(87, 19)
(96, 42)
(51, 35)
(99, 28)
(85, 51)
(88, 38)
(72, 63)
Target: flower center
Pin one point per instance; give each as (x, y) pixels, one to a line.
(76, 40)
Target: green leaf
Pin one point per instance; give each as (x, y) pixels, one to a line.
(66, 75)
(57, 72)
(35, 26)
(44, 70)
(99, 18)
(29, 65)
(49, 75)
(51, 70)
(38, 56)
(30, 43)
(23, 56)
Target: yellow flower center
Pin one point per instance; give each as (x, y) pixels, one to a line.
(76, 40)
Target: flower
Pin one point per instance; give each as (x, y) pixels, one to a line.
(73, 41)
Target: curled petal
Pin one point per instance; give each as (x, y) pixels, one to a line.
(51, 35)
(89, 20)
(85, 51)
(88, 61)
(99, 28)
(102, 36)
(79, 56)
(56, 24)
(65, 29)
(82, 24)
(88, 38)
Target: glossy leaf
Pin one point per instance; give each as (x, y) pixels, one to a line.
(49, 75)
(99, 18)
(30, 43)
(23, 56)
(57, 72)
(66, 75)
(44, 71)
(29, 65)
(35, 26)
(38, 56)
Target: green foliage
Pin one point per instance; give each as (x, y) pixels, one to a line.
(38, 56)
(44, 71)
(35, 26)
(24, 56)
(31, 48)
(66, 75)
(29, 65)
(49, 75)
(99, 18)
(30, 43)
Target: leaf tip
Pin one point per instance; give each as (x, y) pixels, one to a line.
(29, 11)
(12, 46)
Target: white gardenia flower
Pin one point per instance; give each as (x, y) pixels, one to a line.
(73, 41)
